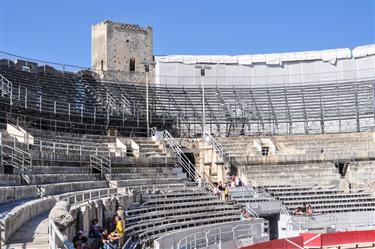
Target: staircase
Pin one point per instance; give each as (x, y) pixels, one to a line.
(16, 160)
(149, 148)
(220, 150)
(101, 164)
(185, 162)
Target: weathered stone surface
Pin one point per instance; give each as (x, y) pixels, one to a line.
(22, 214)
(10, 180)
(61, 216)
(114, 45)
(9, 194)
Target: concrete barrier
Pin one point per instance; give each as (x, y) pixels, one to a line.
(9, 194)
(22, 214)
(10, 180)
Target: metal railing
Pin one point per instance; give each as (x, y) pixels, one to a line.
(220, 150)
(70, 148)
(18, 159)
(215, 144)
(125, 104)
(6, 88)
(83, 196)
(251, 210)
(217, 236)
(103, 164)
(56, 240)
(61, 147)
(184, 161)
(306, 223)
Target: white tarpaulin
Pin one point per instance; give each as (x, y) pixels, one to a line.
(258, 58)
(245, 60)
(273, 59)
(189, 59)
(203, 59)
(363, 51)
(288, 57)
(330, 56)
(313, 55)
(230, 60)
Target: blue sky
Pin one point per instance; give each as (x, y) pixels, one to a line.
(60, 30)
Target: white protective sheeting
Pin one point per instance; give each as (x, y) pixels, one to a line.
(363, 51)
(330, 56)
(245, 60)
(273, 59)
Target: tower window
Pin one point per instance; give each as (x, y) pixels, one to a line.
(265, 151)
(132, 65)
(102, 64)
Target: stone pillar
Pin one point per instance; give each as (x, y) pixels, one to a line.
(86, 218)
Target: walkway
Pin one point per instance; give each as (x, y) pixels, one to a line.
(32, 235)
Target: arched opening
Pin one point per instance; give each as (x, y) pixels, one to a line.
(132, 65)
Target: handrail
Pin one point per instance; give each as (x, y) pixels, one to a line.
(219, 235)
(55, 238)
(284, 210)
(101, 163)
(83, 196)
(153, 131)
(53, 145)
(219, 149)
(6, 88)
(54, 233)
(184, 161)
(251, 210)
(217, 146)
(127, 242)
(23, 159)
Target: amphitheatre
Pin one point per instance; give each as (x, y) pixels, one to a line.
(251, 151)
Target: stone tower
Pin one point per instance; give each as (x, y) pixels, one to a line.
(119, 51)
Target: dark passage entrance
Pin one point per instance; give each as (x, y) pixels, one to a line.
(191, 158)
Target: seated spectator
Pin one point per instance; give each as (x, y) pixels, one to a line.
(108, 241)
(240, 184)
(119, 225)
(121, 212)
(309, 210)
(298, 211)
(220, 186)
(95, 230)
(245, 215)
(119, 230)
(80, 241)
